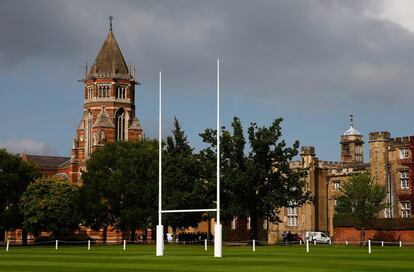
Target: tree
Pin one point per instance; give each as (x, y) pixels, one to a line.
(50, 204)
(182, 185)
(361, 199)
(260, 183)
(15, 176)
(120, 187)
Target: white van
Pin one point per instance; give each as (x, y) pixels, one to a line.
(317, 236)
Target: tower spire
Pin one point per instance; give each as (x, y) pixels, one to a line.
(110, 22)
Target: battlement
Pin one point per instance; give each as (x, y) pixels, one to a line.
(295, 164)
(379, 136)
(307, 150)
(401, 140)
(329, 163)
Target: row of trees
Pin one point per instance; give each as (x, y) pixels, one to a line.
(120, 186)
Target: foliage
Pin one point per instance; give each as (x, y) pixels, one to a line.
(15, 176)
(361, 199)
(260, 183)
(120, 186)
(182, 183)
(50, 204)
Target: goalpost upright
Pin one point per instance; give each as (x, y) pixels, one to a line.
(160, 227)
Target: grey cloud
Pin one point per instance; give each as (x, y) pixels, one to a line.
(304, 53)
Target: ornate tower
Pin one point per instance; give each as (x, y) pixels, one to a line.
(352, 145)
(109, 108)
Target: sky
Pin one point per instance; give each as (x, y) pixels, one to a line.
(311, 62)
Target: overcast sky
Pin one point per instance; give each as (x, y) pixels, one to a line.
(312, 62)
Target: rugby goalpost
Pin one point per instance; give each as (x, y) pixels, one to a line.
(160, 227)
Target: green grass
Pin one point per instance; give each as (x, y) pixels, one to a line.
(194, 258)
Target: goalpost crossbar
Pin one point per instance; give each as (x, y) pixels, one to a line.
(189, 211)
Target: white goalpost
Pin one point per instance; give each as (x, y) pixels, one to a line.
(160, 227)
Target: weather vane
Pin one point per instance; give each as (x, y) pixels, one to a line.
(352, 119)
(110, 22)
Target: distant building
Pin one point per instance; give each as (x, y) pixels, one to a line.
(390, 164)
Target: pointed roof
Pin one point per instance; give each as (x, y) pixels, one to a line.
(109, 60)
(135, 124)
(103, 120)
(352, 130)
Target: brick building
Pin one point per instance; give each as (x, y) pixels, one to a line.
(108, 112)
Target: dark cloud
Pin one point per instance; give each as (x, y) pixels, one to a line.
(303, 53)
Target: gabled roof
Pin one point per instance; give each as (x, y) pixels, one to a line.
(47, 161)
(103, 120)
(109, 60)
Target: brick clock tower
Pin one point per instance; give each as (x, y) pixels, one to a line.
(109, 108)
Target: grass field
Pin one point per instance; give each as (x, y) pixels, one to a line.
(194, 258)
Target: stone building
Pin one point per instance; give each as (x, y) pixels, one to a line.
(390, 164)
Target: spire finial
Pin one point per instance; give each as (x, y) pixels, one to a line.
(351, 119)
(86, 69)
(110, 22)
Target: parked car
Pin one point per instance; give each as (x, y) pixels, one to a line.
(317, 236)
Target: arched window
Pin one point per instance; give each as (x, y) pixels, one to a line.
(89, 133)
(120, 125)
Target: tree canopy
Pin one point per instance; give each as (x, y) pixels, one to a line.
(182, 183)
(50, 204)
(15, 176)
(361, 199)
(120, 186)
(261, 182)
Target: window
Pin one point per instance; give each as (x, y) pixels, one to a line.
(248, 222)
(121, 93)
(405, 209)
(335, 202)
(405, 180)
(90, 92)
(265, 224)
(336, 185)
(233, 223)
(403, 153)
(120, 125)
(89, 135)
(103, 90)
(292, 216)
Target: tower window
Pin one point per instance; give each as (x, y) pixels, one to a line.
(403, 153)
(405, 180)
(120, 125)
(90, 92)
(89, 135)
(121, 92)
(103, 90)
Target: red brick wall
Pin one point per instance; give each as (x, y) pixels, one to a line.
(353, 235)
